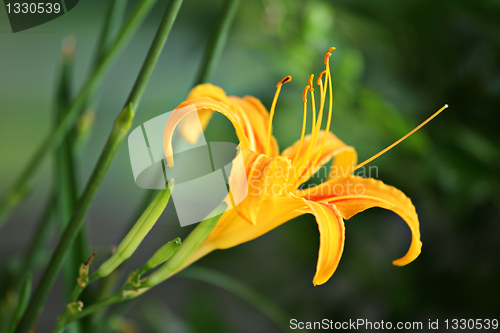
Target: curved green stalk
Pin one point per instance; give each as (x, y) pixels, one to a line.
(21, 186)
(113, 20)
(217, 42)
(138, 232)
(65, 173)
(188, 247)
(121, 126)
(210, 61)
(23, 298)
(133, 288)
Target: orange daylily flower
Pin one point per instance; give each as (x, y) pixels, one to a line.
(274, 180)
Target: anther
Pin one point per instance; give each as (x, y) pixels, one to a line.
(304, 94)
(328, 54)
(311, 77)
(284, 80)
(320, 76)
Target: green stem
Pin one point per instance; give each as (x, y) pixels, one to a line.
(64, 172)
(130, 290)
(143, 205)
(136, 235)
(126, 292)
(211, 58)
(217, 41)
(113, 299)
(210, 61)
(22, 185)
(24, 295)
(154, 53)
(40, 236)
(113, 20)
(188, 247)
(40, 240)
(75, 295)
(121, 126)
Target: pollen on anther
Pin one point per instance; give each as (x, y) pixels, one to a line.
(304, 94)
(310, 81)
(320, 76)
(284, 80)
(328, 54)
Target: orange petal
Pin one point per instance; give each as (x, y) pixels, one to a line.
(252, 115)
(190, 107)
(265, 176)
(254, 111)
(344, 162)
(186, 128)
(331, 239)
(232, 230)
(352, 195)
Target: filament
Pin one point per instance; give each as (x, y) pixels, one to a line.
(403, 138)
(284, 80)
(304, 98)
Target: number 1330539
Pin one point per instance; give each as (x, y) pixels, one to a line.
(32, 8)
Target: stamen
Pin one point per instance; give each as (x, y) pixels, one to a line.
(311, 77)
(320, 76)
(328, 54)
(304, 94)
(313, 101)
(304, 98)
(323, 92)
(309, 147)
(403, 138)
(330, 111)
(284, 80)
(317, 125)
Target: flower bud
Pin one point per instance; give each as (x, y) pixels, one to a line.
(138, 232)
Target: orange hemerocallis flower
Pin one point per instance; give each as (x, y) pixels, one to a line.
(274, 180)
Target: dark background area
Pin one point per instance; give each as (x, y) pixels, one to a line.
(396, 63)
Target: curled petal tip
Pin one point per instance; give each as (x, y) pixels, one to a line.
(410, 256)
(170, 161)
(318, 282)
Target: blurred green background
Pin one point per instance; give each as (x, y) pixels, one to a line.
(396, 63)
